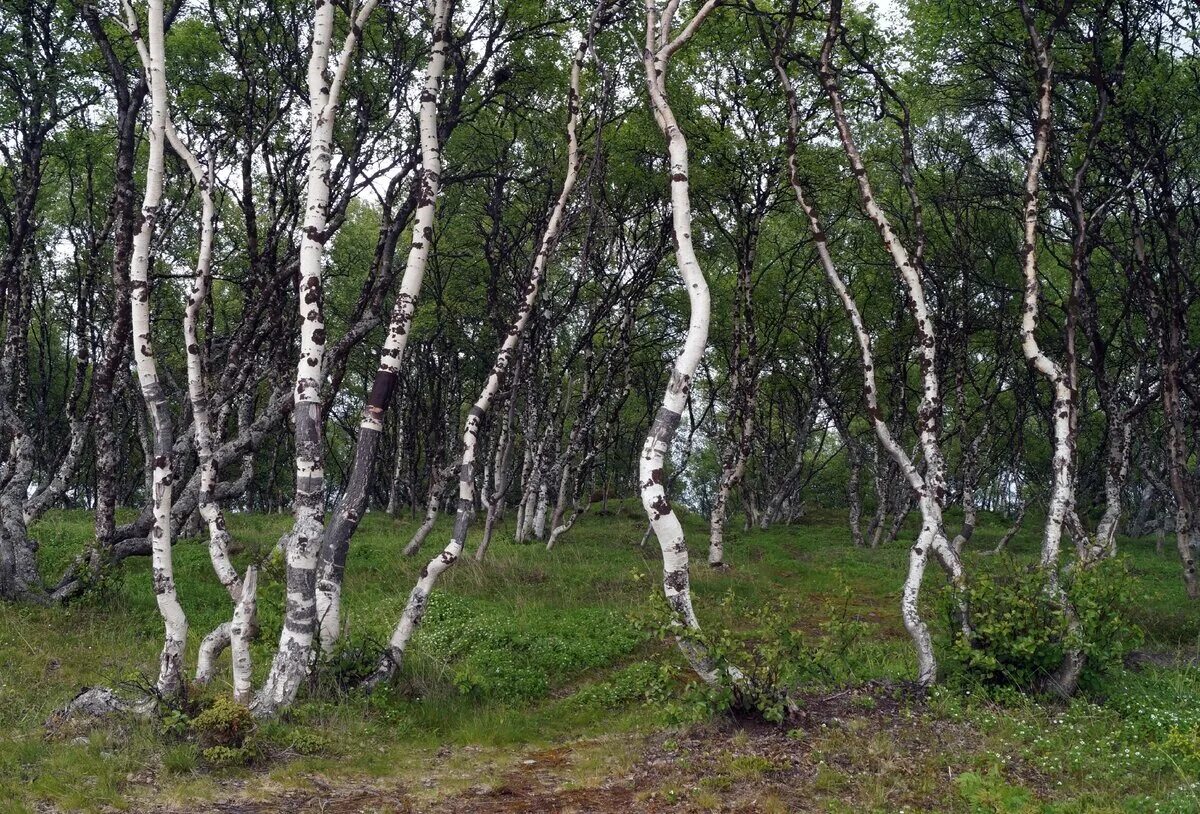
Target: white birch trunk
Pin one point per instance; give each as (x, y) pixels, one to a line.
(294, 655)
(243, 597)
(1062, 493)
(353, 504)
(659, 47)
(170, 675)
(929, 488)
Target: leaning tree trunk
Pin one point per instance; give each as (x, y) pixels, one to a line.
(235, 634)
(414, 609)
(437, 485)
(930, 487)
(353, 504)
(1015, 528)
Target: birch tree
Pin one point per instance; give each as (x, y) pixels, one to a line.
(336, 540)
(301, 544)
(170, 674)
(929, 487)
(418, 598)
(660, 46)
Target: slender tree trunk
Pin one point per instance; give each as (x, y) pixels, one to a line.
(301, 544)
(663, 520)
(170, 674)
(437, 486)
(1064, 680)
(501, 469)
(1012, 530)
(930, 488)
(350, 509)
(414, 610)
(242, 592)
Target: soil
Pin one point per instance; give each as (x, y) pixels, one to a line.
(843, 745)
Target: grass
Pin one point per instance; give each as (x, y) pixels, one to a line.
(535, 650)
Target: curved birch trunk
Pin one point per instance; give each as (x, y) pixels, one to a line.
(418, 598)
(241, 593)
(930, 488)
(1064, 681)
(36, 506)
(350, 509)
(659, 47)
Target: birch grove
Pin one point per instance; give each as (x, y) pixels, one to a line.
(400, 228)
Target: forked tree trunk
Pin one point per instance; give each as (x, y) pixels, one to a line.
(301, 544)
(1065, 679)
(930, 488)
(237, 633)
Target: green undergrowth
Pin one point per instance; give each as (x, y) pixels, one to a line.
(534, 648)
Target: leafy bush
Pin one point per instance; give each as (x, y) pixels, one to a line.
(352, 660)
(229, 757)
(643, 682)
(758, 667)
(1021, 634)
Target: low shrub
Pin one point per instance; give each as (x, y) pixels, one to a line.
(1021, 633)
